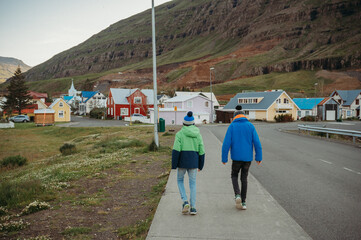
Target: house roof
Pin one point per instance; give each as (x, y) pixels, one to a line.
(206, 94)
(184, 98)
(44, 111)
(88, 94)
(268, 99)
(36, 95)
(120, 95)
(307, 103)
(348, 96)
(68, 98)
(56, 101)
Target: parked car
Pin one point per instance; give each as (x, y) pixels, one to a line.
(20, 118)
(137, 115)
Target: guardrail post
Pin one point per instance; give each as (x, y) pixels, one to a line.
(354, 139)
(327, 135)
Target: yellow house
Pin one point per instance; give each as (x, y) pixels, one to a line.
(62, 110)
(263, 105)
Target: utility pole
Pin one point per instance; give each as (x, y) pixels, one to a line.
(156, 140)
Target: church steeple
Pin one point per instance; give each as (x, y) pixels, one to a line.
(72, 91)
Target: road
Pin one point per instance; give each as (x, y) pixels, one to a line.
(316, 181)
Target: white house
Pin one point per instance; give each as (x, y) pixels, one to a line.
(308, 106)
(209, 95)
(350, 102)
(91, 100)
(176, 108)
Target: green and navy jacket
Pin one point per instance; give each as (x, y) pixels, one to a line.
(241, 138)
(188, 149)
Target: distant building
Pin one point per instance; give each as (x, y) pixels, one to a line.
(259, 106)
(91, 100)
(350, 101)
(308, 106)
(123, 102)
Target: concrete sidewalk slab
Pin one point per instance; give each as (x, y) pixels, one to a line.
(217, 216)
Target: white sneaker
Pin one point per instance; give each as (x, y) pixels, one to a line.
(243, 206)
(238, 202)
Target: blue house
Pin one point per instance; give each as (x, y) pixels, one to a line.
(308, 106)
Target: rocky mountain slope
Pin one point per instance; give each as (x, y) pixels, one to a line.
(8, 67)
(238, 37)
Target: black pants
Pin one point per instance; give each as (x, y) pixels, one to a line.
(244, 167)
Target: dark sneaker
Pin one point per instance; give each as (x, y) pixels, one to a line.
(238, 201)
(185, 207)
(193, 211)
(244, 207)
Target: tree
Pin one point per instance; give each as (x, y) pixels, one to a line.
(18, 97)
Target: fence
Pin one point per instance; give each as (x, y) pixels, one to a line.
(328, 131)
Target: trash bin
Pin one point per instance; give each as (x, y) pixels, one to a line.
(120, 118)
(161, 125)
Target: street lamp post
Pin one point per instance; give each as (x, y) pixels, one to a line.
(315, 103)
(210, 84)
(156, 140)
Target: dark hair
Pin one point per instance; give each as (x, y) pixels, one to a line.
(239, 107)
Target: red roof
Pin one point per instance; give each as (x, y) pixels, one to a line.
(37, 95)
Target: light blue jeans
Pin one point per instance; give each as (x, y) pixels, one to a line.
(192, 174)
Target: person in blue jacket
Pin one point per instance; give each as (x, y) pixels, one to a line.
(188, 156)
(241, 138)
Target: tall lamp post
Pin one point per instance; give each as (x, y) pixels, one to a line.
(156, 140)
(315, 103)
(210, 84)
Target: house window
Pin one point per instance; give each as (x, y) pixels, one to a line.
(61, 104)
(108, 111)
(285, 100)
(61, 114)
(307, 113)
(124, 111)
(206, 103)
(190, 104)
(136, 110)
(246, 112)
(348, 113)
(357, 102)
(138, 100)
(281, 111)
(299, 113)
(111, 111)
(255, 100)
(172, 122)
(278, 100)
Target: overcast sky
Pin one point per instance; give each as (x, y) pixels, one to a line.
(35, 30)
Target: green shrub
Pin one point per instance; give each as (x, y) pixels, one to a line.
(284, 118)
(97, 113)
(35, 206)
(308, 118)
(73, 231)
(14, 161)
(15, 194)
(67, 149)
(114, 144)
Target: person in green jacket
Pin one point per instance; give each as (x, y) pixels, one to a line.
(188, 156)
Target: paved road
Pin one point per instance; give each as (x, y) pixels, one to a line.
(316, 181)
(217, 216)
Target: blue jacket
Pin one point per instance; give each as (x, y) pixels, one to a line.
(241, 137)
(188, 149)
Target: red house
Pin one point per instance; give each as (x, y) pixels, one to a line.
(123, 102)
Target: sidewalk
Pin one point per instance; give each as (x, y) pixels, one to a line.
(217, 216)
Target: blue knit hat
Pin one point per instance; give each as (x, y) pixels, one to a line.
(189, 119)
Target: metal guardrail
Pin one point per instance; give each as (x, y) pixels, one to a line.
(328, 131)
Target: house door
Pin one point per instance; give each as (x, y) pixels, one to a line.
(330, 115)
(252, 115)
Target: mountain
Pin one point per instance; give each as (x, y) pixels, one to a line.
(239, 38)
(8, 67)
